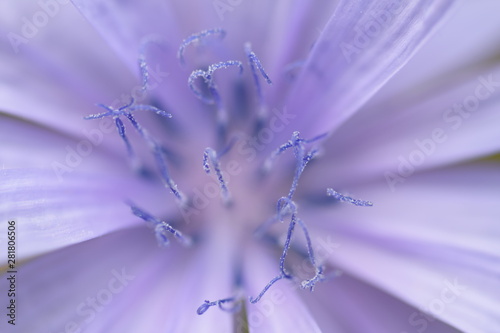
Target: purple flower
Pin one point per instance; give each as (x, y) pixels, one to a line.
(234, 166)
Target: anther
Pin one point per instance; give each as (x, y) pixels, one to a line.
(222, 304)
(196, 38)
(344, 198)
(143, 67)
(161, 228)
(210, 157)
(266, 288)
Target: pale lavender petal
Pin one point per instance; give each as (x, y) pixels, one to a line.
(336, 80)
(472, 50)
(64, 74)
(280, 309)
(99, 276)
(51, 213)
(410, 133)
(450, 237)
(337, 302)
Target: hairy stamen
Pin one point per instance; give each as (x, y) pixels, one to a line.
(143, 67)
(208, 77)
(236, 307)
(196, 38)
(161, 228)
(344, 198)
(210, 157)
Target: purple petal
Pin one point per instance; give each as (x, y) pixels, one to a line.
(63, 72)
(102, 275)
(343, 72)
(443, 232)
(410, 133)
(51, 213)
(347, 304)
(280, 309)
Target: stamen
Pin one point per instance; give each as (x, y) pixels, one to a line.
(266, 288)
(283, 273)
(143, 67)
(298, 144)
(343, 198)
(161, 228)
(286, 206)
(194, 75)
(159, 154)
(319, 269)
(158, 150)
(208, 77)
(289, 235)
(232, 309)
(254, 61)
(196, 38)
(130, 151)
(211, 156)
(150, 108)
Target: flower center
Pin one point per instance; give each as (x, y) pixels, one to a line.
(238, 192)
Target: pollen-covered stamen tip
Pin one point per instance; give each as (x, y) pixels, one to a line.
(210, 157)
(161, 228)
(196, 38)
(255, 65)
(344, 198)
(161, 161)
(143, 66)
(222, 303)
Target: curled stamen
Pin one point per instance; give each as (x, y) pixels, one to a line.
(220, 303)
(161, 228)
(208, 77)
(210, 157)
(197, 37)
(192, 78)
(266, 288)
(143, 67)
(343, 198)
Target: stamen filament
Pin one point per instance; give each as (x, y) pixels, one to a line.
(196, 38)
(344, 198)
(161, 228)
(210, 157)
(207, 304)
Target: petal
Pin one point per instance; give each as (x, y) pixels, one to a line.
(51, 212)
(133, 286)
(426, 241)
(402, 135)
(102, 275)
(472, 49)
(280, 309)
(347, 304)
(363, 45)
(64, 68)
